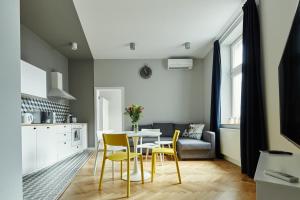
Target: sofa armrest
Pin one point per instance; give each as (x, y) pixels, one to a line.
(209, 136)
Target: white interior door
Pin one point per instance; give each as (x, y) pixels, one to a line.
(104, 114)
(109, 108)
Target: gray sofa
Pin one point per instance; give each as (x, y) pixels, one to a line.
(186, 148)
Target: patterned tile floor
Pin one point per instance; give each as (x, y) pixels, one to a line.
(50, 183)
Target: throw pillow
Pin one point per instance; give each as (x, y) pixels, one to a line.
(195, 131)
(185, 133)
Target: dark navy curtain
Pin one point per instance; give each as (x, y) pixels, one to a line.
(215, 117)
(253, 130)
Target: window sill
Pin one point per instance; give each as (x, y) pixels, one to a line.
(230, 126)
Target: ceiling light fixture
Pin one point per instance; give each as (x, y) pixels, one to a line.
(187, 45)
(74, 46)
(132, 46)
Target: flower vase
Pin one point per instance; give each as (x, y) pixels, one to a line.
(135, 127)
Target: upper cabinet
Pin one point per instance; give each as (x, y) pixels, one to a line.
(33, 80)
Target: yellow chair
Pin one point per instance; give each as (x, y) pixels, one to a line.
(119, 140)
(169, 151)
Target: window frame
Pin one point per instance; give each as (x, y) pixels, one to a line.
(234, 71)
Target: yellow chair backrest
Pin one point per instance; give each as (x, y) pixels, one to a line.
(175, 138)
(115, 140)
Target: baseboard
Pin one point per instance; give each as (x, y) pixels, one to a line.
(91, 148)
(233, 161)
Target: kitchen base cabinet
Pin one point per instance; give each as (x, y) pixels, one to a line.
(46, 147)
(28, 149)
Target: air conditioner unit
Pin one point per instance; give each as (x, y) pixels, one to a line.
(180, 64)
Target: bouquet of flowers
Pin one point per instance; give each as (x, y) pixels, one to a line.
(134, 112)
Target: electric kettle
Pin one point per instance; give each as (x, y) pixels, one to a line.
(27, 118)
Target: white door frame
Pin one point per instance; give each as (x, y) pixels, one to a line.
(95, 105)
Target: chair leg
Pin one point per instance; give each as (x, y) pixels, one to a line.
(121, 170)
(128, 177)
(102, 173)
(147, 153)
(161, 159)
(177, 167)
(113, 170)
(96, 160)
(142, 168)
(152, 166)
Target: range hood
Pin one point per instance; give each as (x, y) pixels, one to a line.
(57, 87)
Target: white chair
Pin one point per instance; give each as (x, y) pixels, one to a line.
(149, 146)
(111, 149)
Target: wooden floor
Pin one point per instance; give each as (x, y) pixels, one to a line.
(203, 180)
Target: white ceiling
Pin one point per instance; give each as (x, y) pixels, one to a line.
(158, 27)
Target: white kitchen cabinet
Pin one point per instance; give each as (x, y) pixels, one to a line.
(46, 146)
(64, 149)
(33, 80)
(29, 163)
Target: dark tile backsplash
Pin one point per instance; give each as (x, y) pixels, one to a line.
(33, 104)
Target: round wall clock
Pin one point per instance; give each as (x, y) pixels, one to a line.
(145, 72)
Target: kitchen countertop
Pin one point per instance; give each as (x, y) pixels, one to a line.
(51, 124)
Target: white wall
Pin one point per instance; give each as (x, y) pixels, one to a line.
(115, 111)
(10, 103)
(168, 96)
(276, 20)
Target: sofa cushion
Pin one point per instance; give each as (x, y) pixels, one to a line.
(153, 139)
(193, 144)
(144, 126)
(182, 128)
(195, 131)
(167, 129)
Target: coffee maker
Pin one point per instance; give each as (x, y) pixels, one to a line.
(46, 117)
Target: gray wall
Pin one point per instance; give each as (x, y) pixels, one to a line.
(10, 143)
(37, 52)
(276, 21)
(81, 82)
(168, 96)
(207, 75)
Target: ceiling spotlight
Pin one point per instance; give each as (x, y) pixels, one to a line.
(132, 46)
(187, 45)
(74, 46)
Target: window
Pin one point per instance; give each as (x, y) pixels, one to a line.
(236, 80)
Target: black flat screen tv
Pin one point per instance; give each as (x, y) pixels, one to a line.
(289, 84)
